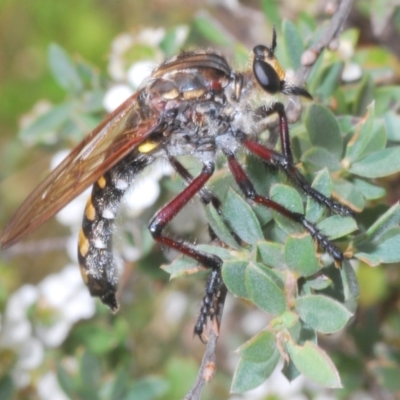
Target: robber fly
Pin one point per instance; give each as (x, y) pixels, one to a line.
(193, 104)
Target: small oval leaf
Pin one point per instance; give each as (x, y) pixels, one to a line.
(322, 183)
(260, 348)
(263, 291)
(291, 200)
(322, 313)
(271, 254)
(318, 158)
(233, 274)
(249, 375)
(378, 164)
(63, 69)
(337, 226)
(219, 227)
(300, 255)
(323, 130)
(314, 363)
(241, 218)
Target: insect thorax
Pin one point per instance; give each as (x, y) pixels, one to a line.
(205, 100)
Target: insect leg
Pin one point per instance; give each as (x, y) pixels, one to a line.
(205, 195)
(249, 191)
(96, 262)
(285, 162)
(214, 286)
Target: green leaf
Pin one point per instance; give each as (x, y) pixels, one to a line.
(387, 373)
(322, 313)
(293, 44)
(241, 218)
(290, 371)
(6, 388)
(182, 266)
(43, 129)
(260, 348)
(386, 250)
(318, 158)
(364, 95)
(249, 375)
(63, 69)
(271, 254)
(329, 80)
(375, 141)
(369, 190)
(291, 200)
(379, 164)
(187, 266)
(65, 380)
(90, 371)
(300, 255)
(172, 41)
(314, 363)
(390, 219)
(319, 283)
(119, 387)
(351, 289)
(287, 320)
(97, 341)
(221, 252)
(233, 275)
(322, 183)
(149, 388)
(323, 130)
(363, 134)
(392, 123)
(263, 291)
(219, 227)
(337, 226)
(271, 11)
(347, 193)
(209, 29)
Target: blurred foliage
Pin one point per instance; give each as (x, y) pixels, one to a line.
(348, 144)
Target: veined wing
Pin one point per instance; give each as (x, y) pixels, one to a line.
(108, 143)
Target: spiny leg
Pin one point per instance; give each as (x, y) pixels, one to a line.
(163, 217)
(285, 162)
(249, 191)
(205, 195)
(96, 261)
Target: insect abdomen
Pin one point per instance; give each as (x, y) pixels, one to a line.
(97, 265)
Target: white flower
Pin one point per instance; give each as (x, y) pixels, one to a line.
(17, 334)
(115, 96)
(67, 297)
(150, 36)
(139, 71)
(146, 190)
(49, 389)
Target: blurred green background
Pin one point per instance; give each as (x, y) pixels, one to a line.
(134, 344)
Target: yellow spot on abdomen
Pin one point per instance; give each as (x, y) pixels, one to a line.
(83, 244)
(102, 182)
(90, 211)
(147, 146)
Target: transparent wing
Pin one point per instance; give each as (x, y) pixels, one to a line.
(108, 143)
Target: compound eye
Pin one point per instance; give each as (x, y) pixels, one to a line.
(266, 76)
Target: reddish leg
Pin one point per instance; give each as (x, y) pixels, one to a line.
(214, 289)
(284, 161)
(205, 195)
(249, 191)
